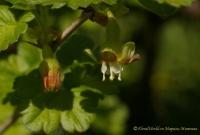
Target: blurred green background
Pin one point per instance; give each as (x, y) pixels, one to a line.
(162, 89)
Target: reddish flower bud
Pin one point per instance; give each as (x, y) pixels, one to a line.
(50, 72)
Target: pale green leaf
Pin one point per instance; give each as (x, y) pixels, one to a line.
(177, 3)
(37, 119)
(10, 30)
(6, 17)
(58, 5)
(74, 4)
(27, 17)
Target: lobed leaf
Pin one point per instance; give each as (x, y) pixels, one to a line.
(37, 119)
(73, 108)
(10, 30)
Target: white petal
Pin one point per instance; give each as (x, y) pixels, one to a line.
(103, 70)
(115, 67)
(103, 67)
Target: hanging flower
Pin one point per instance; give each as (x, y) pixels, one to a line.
(111, 64)
(114, 55)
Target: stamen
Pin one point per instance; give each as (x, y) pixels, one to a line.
(119, 77)
(104, 78)
(112, 76)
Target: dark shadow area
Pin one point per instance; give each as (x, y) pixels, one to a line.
(91, 100)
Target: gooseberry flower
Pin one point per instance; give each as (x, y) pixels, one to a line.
(49, 70)
(113, 54)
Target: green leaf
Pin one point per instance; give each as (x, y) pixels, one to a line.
(27, 17)
(23, 5)
(73, 107)
(155, 7)
(177, 3)
(58, 5)
(74, 4)
(10, 30)
(37, 119)
(73, 49)
(32, 81)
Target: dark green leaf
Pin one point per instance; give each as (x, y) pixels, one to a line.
(32, 81)
(73, 50)
(160, 9)
(107, 87)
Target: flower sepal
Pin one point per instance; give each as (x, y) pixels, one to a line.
(128, 55)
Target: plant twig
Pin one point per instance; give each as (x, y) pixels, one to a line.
(9, 122)
(69, 30)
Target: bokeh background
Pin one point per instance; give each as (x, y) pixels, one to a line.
(162, 89)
